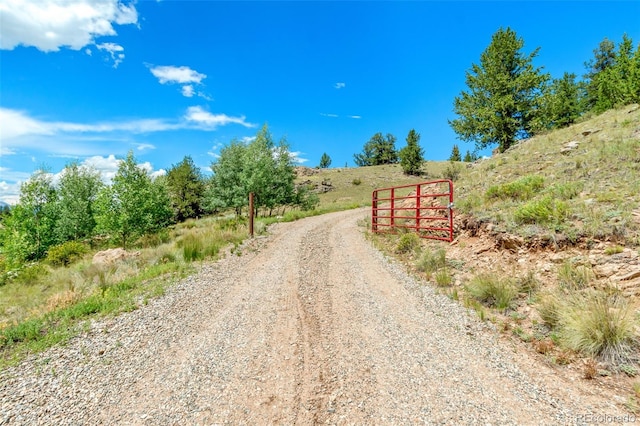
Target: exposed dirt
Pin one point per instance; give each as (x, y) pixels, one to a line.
(310, 325)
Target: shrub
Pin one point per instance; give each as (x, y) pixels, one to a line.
(610, 251)
(566, 191)
(66, 253)
(408, 242)
(522, 189)
(493, 291)
(544, 210)
(356, 181)
(452, 171)
(600, 325)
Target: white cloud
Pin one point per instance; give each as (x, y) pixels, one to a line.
(297, 158)
(181, 75)
(145, 146)
(248, 139)
(329, 115)
(355, 116)
(339, 85)
(114, 50)
(49, 25)
(202, 118)
(158, 173)
(88, 51)
(188, 91)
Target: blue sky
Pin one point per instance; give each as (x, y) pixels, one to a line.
(89, 80)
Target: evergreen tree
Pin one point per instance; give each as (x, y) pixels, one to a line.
(604, 58)
(325, 161)
(455, 154)
(378, 150)
(561, 104)
(469, 157)
(412, 155)
(186, 187)
(503, 94)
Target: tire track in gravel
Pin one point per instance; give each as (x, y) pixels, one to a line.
(314, 327)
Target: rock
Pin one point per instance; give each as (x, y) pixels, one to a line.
(590, 132)
(108, 257)
(569, 146)
(509, 242)
(605, 271)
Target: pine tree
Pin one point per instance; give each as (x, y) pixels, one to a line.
(325, 161)
(186, 189)
(503, 94)
(378, 150)
(412, 155)
(455, 154)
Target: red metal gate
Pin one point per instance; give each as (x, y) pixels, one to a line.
(426, 207)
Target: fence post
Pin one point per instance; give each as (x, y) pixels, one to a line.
(251, 214)
(374, 211)
(418, 202)
(393, 209)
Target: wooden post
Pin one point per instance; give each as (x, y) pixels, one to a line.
(251, 214)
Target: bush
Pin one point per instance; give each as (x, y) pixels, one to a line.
(66, 253)
(493, 291)
(600, 325)
(544, 210)
(408, 242)
(356, 181)
(522, 189)
(452, 171)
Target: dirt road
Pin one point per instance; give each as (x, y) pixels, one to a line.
(313, 326)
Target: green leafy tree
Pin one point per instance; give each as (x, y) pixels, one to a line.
(30, 229)
(79, 186)
(412, 155)
(325, 161)
(227, 188)
(133, 205)
(455, 154)
(378, 150)
(186, 188)
(503, 94)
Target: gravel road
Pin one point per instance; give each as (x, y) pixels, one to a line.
(311, 325)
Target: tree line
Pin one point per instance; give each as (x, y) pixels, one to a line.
(81, 208)
(508, 99)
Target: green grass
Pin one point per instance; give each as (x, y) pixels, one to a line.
(493, 291)
(601, 325)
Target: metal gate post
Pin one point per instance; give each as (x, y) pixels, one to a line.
(393, 208)
(418, 208)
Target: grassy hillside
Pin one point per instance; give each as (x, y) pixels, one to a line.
(575, 184)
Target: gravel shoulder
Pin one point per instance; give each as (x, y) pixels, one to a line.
(311, 325)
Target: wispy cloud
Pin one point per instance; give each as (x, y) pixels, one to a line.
(19, 130)
(248, 139)
(297, 158)
(328, 115)
(205, 119)
(145, 147)
(54, 24)
(355, 116)
(114, 50)
(339, 85)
